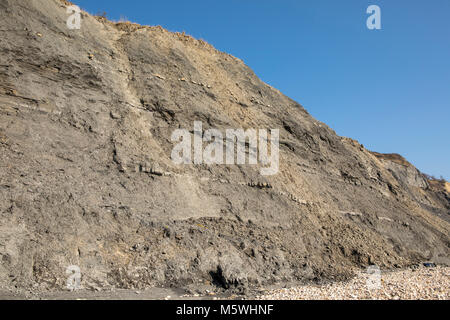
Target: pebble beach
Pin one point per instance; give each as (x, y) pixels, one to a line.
(413, 284)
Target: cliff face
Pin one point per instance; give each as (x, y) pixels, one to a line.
(402, 170)
(86, 178)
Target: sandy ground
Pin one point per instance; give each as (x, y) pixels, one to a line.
(421, 283)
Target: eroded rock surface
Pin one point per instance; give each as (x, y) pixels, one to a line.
(86, 177)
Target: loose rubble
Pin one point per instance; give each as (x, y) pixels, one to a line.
(413, 284)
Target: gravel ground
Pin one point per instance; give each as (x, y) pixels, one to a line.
(421, 283)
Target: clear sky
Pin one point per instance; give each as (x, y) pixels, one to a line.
(389, 89)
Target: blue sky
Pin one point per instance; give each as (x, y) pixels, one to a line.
(388, 88)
